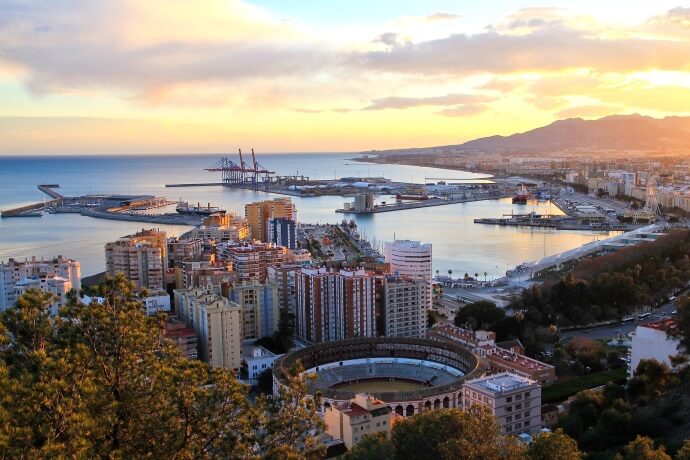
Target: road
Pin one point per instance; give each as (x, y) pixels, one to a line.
(603, 332)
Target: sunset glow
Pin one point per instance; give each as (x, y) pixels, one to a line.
(211, 75)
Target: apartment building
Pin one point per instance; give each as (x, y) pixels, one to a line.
(282, 231)
(405, 306)
(222, 227)
(142, 258)
(260, 308)
(515, 401)
(217, 323)
(334, 305)
(56, 275)
(250, 261)
(411, 259)
(189, 249)
(258, 214)
(183, 336)
(363, 415)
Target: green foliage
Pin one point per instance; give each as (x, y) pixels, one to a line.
(446, 434)
(479, 315)
(100, 380)
(683, 320)
(553, 446)
(562, 390)
(612, 286)
(642, 448)
(377, 446)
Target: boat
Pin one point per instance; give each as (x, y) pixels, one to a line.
(521, 196)
(183, 207)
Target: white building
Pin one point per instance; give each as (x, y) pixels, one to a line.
(50, 284)
(255, 360)
(515, 401)
(361, 416)
(651, 341)
(13, 271)
(157, 301)
(410, 258)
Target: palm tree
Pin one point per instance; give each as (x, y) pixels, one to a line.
(485, 276)
(450, 273)
(436, 274)
(476, 275)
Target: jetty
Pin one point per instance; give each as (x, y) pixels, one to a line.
(427, 203)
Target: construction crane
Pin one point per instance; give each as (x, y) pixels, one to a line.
(234, 175)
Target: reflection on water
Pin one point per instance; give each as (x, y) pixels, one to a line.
(459, 244)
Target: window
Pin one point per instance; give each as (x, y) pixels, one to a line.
(509, 427)
(518, 406)
(509, 418)
(526, 394)
(509, 399)
(526, 423)
(509, 408)
(526, 414)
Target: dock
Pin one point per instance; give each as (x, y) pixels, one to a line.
(431, 202)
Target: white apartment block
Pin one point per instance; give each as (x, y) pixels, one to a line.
(410, 258)
(50, 275)
(515, 401)
(217, 322)
(651, 341)
(405, 306)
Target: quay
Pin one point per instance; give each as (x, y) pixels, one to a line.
(549, 221)
(402, 205)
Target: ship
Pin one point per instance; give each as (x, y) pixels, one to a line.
(520, 197)
(184, 207)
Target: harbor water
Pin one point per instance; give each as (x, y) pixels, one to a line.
(459, 244)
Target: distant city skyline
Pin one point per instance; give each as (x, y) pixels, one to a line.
(132, 77)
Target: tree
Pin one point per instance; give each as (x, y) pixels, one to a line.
(553, 446)
(684, 452)
(483, 312)
(642, 448)
(377, 446)
(101, 380)
(683, 320)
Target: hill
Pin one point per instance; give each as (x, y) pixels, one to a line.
(616, 132)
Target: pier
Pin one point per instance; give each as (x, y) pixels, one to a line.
(404, 205)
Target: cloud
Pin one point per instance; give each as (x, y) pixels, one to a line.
(463, 110)
(553, 48)
(442, 16)
(397, 102)
(389, 38)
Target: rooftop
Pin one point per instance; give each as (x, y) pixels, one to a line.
(501, 383)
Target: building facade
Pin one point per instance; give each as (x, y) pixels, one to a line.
(515, 401)
(282, 231)
(43, 274)
(257, 215)
(410, 258)
(405, 306)
(142, 258)
(334, 305)
(217, 322)
(250, 261)
(361, 416)
(260, 308)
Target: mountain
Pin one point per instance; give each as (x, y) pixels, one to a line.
(616, 132)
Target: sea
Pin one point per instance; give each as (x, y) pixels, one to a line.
(458, 243)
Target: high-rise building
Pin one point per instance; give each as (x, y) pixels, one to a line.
(251, 260)
(283, 276)
(51, 284)
(411, 259)
(281, 231)
(515, 401)
(202, 274)
(184, 337)
(260, 308)
(142, 258)
(257, 215)
(217, 322)
(334, 305)
(405, 306)
(44, 274)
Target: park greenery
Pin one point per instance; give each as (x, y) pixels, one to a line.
(102, 381)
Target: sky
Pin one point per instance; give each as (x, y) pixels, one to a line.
(209, 76)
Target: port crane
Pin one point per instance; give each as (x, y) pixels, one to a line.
(242, 175)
